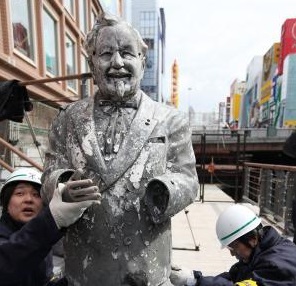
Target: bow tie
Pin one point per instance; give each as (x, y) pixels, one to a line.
(124, 104)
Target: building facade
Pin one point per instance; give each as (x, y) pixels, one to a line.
(42, 40)
(149, 19)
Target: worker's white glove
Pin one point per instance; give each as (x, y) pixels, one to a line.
(66, 213)
(182, 277)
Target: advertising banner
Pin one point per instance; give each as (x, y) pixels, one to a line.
(270, 62)
(289, 90)
(288, 41)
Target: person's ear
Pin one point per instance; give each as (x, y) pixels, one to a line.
(143, 63)
(253, 242)
(91, 67)
(90, 64)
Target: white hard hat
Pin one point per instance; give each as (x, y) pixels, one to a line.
(20, 175)
(234, 222)
(24, 174)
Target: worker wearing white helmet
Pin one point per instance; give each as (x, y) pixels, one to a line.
(264, 256)
(27, 175)
(28, 230)
(238, 224)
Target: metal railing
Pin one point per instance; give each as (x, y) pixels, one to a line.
(272, 188)
(20, 154)
(252, 132)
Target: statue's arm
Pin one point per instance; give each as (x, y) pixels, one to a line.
(171, 192)
(57, 164)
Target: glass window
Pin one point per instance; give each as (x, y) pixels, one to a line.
(93, 18)
(50, 43)
(84, 64)
(69, 5)
(147, 23)
(85, 69)
(82, 16)
(70, 61)
(21, 15)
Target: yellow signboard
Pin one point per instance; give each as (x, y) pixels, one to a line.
(175, 85)
(236, 99)
(266, 92)
(290, 123)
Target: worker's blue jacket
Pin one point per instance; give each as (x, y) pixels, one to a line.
(25, 250)
(273, 264)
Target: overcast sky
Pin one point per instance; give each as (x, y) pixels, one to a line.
(214, 41)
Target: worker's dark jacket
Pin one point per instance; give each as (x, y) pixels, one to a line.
(273, 264)
(25, 258)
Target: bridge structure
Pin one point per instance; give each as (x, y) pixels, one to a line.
(221, 154)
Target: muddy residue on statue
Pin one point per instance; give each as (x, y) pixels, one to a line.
(137, 151)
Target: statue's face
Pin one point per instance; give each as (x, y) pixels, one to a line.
(118, 65)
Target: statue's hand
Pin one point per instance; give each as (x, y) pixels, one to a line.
(78, 190)
(157, 196)
(156, 199)
(81, 190)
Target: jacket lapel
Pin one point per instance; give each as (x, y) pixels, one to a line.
(88, 140)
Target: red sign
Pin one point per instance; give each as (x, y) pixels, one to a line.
(211, 168)
(288, 42)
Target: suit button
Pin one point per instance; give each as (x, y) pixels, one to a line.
(128, 207)
(127, 240)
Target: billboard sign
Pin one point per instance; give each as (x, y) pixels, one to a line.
(289, 90)
(270, 62)
(288, 41)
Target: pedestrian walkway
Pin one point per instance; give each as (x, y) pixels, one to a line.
(201, 219)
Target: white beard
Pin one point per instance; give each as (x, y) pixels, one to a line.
(120, 88)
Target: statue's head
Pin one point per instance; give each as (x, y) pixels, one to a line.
(116, 56)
